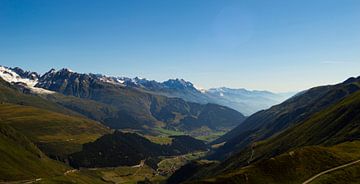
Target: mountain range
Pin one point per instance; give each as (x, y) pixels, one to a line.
(242, 100)
(245, 101)
(174, 104)
(68, 127)
(122, 107)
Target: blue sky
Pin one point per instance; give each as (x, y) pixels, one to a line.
(256, 44)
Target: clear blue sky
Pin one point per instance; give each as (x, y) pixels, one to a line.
(258, 44)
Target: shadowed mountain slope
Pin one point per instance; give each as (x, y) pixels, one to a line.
(332, 125)
(336, 124)
(295, 167)
(119, 149)
(299, 108)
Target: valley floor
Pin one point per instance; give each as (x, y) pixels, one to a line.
(118, 175)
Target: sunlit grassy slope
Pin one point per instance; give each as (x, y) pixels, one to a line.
(22, 160)
(56, 134)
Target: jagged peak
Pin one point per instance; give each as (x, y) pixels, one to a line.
(179, 81)
(25, 74)
(23, 78)
(53, 71)
(68, 70)
(48, 73)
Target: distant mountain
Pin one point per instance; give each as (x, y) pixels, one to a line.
(137, 108)
(247, 102)
(107, 100)
(120, 149)
(24, 80)
(242, 100)
(26, 74)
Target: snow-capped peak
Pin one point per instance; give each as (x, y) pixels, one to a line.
(52, 70)
(10, 76)
(112, 80)
(66, 70)
(177, 84)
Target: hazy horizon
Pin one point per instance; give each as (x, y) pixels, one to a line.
(280, 46)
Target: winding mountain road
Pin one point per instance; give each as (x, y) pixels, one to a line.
(330, 170)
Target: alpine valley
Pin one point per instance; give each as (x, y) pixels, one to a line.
(69, 127)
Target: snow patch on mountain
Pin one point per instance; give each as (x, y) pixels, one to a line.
(12, 77)
(201, 89)
(174, 84)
